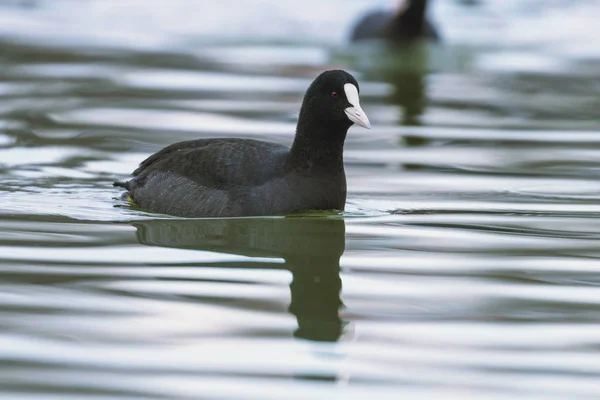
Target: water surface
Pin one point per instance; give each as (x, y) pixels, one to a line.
(465, 265)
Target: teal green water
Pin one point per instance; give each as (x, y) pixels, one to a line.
(466, 264)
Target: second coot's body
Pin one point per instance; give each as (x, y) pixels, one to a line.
(409, 22)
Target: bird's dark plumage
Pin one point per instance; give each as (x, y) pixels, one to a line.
(407, 24)
(243, 177)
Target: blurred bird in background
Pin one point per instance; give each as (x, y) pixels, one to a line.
(408, 21)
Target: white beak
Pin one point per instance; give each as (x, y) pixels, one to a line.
(355, 113)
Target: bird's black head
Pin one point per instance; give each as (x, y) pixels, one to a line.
(332, 101)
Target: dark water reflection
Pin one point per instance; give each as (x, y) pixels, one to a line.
(407, 72)
(310, 247)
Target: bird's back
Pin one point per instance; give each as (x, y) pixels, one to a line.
(205, 178)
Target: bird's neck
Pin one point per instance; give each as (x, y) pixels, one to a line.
(411, 22)
(319, 144)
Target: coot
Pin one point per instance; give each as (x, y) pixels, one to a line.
(244, 177)
(407, 23)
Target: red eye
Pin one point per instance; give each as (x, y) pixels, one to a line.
(334, 95)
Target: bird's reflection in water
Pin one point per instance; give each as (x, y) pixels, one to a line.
(405, 68)
(409, 80)
(310, 246)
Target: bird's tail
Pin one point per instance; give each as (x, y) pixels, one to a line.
(122, 184)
